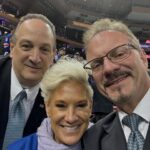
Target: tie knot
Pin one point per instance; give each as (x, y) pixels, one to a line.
(20, 96)
(132, 121)
(18, 100)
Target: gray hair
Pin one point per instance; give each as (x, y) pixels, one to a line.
(64, 70)
(35, 16)
(107, 24)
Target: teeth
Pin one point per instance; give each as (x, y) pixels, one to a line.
(71, 128)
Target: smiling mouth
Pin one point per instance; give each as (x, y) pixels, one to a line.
(33, 67)
(71, 128)
(116, 80)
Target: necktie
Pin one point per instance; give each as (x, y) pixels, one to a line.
(136, 140)
(16, 120)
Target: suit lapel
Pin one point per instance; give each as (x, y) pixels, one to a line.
(5, 76)
(147, 141)
(36, 116)
(114, 136)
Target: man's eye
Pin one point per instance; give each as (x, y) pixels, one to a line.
(45, 49)
(96, 63)
(26, 46)
(118, 54)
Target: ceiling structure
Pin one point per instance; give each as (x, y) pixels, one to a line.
(74, 16)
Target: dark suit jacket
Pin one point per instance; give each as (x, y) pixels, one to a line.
(101, 104)
(38, 111)
(107, 134)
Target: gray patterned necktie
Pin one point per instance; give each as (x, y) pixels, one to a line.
(16, 120)
(135, 140)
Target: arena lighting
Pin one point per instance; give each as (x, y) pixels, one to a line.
(9, 17)
(147, 41)
(81, 24)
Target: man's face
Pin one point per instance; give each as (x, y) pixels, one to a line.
(121, 81)
(32, 52)
(69, 109)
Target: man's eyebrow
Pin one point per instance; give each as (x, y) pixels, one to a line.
(25, 40)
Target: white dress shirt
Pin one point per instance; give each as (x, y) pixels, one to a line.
(143, 110)
(31, 94)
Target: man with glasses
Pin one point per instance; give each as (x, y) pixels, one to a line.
(119, 68)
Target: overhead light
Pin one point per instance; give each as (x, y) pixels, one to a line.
(147, 41)
(81, 24)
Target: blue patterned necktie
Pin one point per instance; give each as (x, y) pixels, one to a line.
(16, 120)
(135, 140)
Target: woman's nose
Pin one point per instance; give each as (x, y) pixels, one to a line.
(71, 115)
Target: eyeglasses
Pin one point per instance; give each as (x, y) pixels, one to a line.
(115, 55)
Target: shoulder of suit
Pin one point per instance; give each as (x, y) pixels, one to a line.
(106, 120)
(4, 59)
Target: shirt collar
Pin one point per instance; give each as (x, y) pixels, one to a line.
(32, 92)
(15, 85)
(142, 109)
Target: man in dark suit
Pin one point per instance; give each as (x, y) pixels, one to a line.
(119, 68)
(32, 52)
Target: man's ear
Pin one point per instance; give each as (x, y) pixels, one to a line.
(143, 57)
(11, 49)
(52, 57)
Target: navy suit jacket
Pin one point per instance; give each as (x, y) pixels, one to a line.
(37, 113)
(107, 134)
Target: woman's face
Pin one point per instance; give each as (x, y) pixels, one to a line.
(69, 109)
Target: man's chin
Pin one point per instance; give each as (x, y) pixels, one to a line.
(32, 80)
(113, 95)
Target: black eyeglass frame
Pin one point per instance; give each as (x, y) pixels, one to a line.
(131, 46)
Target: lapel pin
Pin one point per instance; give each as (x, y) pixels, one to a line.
(41, 105)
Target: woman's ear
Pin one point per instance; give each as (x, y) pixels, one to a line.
(91, 104)
(47, 108)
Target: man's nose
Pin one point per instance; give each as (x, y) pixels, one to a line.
(35, 56)
(108, 65)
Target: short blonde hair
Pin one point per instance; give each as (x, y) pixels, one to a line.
(107, 24)
(64, 70)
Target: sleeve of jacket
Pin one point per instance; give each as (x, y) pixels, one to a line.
(94, 136)
(26, 143)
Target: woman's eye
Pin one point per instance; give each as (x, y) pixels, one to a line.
(82, 105)
(60, 105)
